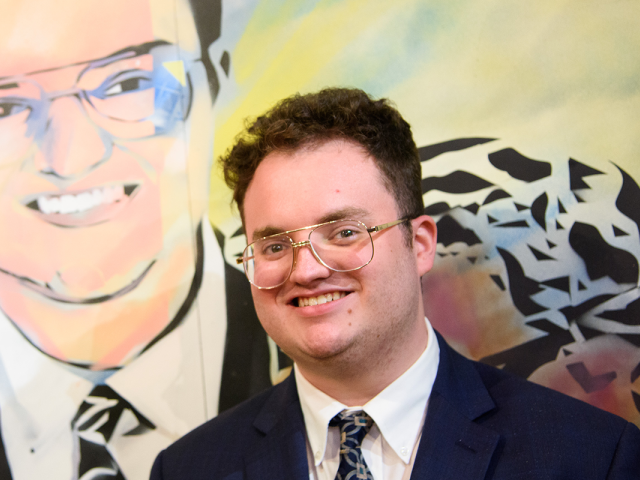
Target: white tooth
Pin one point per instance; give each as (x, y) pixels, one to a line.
(54, 205)
(43, 205)
(305, 302)
(313, 301)
(342, 294)
(85, 201)
(329, 297)
(97, 195)
(108, 195)
(67, 204)
(336, 295)
(322, 299)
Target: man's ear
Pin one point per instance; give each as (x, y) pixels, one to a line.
(425, 240)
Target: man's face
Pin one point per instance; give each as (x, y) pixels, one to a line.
(336, 180)
(102, 180)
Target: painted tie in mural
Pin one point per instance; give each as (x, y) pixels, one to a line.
(94, 426)
(353, 427)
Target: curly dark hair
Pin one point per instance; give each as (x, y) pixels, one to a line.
(302, 121)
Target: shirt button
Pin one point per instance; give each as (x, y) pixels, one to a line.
(317, 455)
(403, 451)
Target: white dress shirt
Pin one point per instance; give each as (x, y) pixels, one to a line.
(398, 412)
(175, 384)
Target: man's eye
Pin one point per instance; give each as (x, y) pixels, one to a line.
(129, 85)
(11, 108)
(345, 233)
(273, 250)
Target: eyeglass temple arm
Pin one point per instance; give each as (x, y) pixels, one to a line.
(241, 260)
(387, 225)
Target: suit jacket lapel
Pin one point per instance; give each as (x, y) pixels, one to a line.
(282, 453)
(453, 446)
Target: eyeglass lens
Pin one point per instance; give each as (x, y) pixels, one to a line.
(342, 246)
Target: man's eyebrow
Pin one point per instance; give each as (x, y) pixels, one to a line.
(8, 86)
(352, 213)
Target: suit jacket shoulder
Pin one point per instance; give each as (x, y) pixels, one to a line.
(485, 423)
(263, 437)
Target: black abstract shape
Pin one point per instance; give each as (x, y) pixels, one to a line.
(496, 195)
(578, 198)
(590, 383)
(636, 400)
(561, 208)
(559, 226)
(589, 333)
(628, 201)
(572, 313)
(560, 283)
(577, 171)
(430, 151)
(225, 62)
(440, 254)
(618, 232)
(520, 207)
(635, 373)
(498, 281)
(450, 231)
(550, 244)
(567, 352)
(238, 232)
(472, 259)
(518, 166)
(601, 258)
(633, 339)
(515, 224)
(539, 209)
(521, 286)
(628, 316)
(473, 208)
(437, 208)
(540, 255)
(453, 254)
(526, 358)
(490, 219)
(581, 286)
(455, 182)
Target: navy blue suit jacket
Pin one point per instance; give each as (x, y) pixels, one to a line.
(481, 423)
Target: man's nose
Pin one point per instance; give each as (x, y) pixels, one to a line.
(71, 143)
(307, 267)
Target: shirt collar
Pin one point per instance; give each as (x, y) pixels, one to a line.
(397, 411)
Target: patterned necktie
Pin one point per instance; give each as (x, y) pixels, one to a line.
(353, 427)
(94, 425)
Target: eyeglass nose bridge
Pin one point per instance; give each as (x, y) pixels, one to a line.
(297, 245)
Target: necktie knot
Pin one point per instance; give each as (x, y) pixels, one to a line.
(353, 428)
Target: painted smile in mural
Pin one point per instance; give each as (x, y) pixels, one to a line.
(82, 208)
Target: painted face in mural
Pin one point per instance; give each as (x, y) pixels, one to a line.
(103, 180)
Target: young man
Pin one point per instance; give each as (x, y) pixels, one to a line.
(320, 181)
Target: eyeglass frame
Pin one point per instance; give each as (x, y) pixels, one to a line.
(294, 245)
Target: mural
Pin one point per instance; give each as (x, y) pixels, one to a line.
(124, 322)
(110, 349)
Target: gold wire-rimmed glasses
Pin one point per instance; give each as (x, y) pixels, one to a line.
(339, 245)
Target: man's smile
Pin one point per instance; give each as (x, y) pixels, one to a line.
(319, 299)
